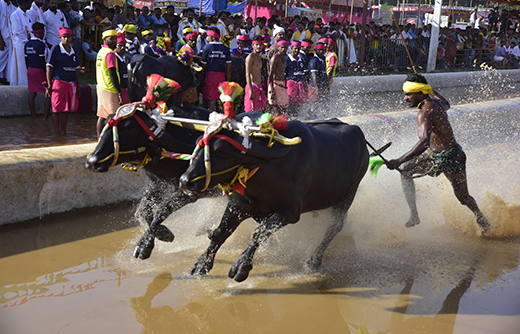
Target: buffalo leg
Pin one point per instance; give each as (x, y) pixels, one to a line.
(339, 214)
(241, 268)
(231, 219)
(145, 245)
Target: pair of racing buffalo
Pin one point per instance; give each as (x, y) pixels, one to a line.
(322, 171)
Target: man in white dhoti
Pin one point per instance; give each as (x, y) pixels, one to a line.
(36, 13)
(6, 9)
(54, 19)
(20, 34)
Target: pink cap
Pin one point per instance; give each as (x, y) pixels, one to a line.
(64, 31)
(243, 38)
(320, 46)
(296, 44)
(282, 42)
(213, 33)
(121, 38)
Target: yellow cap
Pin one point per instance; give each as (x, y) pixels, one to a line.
(187, 30)
(130, 28)
(109, 33)
(146, 32)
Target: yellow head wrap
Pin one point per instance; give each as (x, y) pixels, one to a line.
(146, 32)
(109, 33)
(187, 30)
(415, 87)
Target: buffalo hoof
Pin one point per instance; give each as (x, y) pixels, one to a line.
(144, 247)
(240, 269)
(312, 264)
(164, 234)
(203, 265)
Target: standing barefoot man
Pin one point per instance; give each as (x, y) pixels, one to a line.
(436, 152)
(254, 99)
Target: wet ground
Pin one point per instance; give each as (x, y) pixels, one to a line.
(74, 273)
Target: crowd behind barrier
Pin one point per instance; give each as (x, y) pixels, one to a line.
(384, 49)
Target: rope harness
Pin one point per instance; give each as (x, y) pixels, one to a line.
(242, 173)
(152, 134)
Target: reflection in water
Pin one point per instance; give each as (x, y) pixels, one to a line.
(60, 284)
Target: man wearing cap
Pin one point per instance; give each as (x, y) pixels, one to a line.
(181, 42)
(188, 20)
(436, 152)
(36, 55)
(54, 19)
(62, 81)
(295, 76)
(216, 61)
(109, 93)
(132, 42)
(318, 82)
(277, 89)
(20, 34)
(278, 35)
(243, 47)
(255, 99)
(148, 45)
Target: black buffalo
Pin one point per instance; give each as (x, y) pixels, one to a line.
(323, 171)
(141, 66)
(154, 207)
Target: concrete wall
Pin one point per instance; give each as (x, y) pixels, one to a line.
(40, 181)
(394, 83)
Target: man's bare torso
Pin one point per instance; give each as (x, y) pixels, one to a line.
(278, 64)
(441, 137)
(254, 68)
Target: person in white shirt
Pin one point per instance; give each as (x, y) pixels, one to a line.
(36, 12)
(188, 20)
(6, 9)
(54, 19)
(20, 33)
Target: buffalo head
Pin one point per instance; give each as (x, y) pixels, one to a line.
(132, 137)
(226, 155)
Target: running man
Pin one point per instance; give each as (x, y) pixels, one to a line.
(436, 152)
(254, 99)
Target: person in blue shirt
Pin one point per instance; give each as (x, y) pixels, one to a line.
(216, 61)
(295, 76)
(144, 20)
(319, 81)
(36, 55)
(62, 81)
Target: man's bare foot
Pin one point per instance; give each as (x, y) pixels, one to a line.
(412, 222)
(483, 224)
